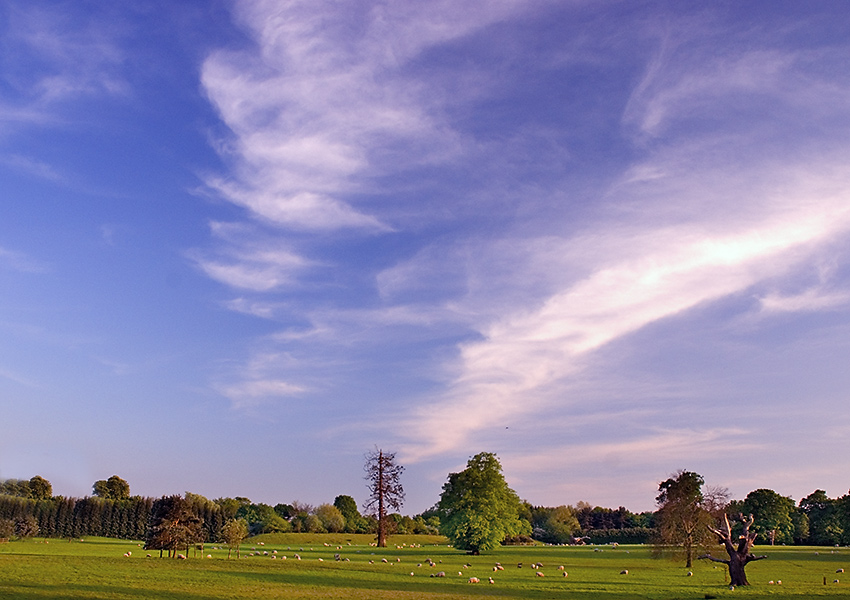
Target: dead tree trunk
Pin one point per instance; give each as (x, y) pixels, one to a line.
(739, 555)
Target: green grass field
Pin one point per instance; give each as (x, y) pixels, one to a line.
(97, 568)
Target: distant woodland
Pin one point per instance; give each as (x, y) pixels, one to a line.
(28, 508)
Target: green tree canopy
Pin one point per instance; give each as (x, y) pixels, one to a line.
(772, 514)
(824, 518)
(113, 488)
(173, 525)
(477, 509)
(331, 517)
(348, 507)
(232, 534)
(682, 519)
(40, 488)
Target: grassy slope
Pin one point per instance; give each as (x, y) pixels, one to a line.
(97, 568)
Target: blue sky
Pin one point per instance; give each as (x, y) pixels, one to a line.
(243, 243)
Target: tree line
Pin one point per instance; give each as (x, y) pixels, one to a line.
(476, 510)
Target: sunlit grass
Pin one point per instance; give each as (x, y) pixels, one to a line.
(98, 568)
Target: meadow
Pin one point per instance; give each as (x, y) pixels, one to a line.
(98, 568)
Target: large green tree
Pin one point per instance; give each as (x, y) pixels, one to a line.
(771, 515)
(683, 523)
(824, 517)
(173, 525)
(477, 509)
(348, 507)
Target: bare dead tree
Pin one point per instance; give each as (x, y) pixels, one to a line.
(739, 554)
(385, 490)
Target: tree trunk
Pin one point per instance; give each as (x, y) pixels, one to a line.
(382, 517)
(738, 556)
(737, 575)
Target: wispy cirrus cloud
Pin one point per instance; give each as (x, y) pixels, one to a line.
(325, 101)
(55, 56)
(712, 187)
(707, 219)
(19, 261)
(249, 260)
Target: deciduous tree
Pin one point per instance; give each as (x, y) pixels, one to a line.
(348, 507)
(331, 518)
(113, 488)
(232, 534)
(173, 525)
(385, 490)
(477, 509)
(40, 488)
(772, 515)
(682, 520)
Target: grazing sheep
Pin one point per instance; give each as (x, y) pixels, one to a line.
(624, 572)
(384, 560)
(690, 573)
(561, 568)
(491, 580)
(439, 574)
(565, 573)
(473, 580)
(209, 555)
(411, 573)
(838, 571)
(539, 574)
(181, 557)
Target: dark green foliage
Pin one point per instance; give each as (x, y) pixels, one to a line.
(113, 488)
(26, 527)
(173, 525)
(40, 488)
(19, 488)
(820, 520)
(7, 529)
(628, 535)
(557, 525)
(772, 514)
(348, 507)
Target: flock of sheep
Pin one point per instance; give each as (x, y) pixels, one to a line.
(536, 567)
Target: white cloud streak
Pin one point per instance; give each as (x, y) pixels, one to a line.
(717, 199)
(323, 96)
